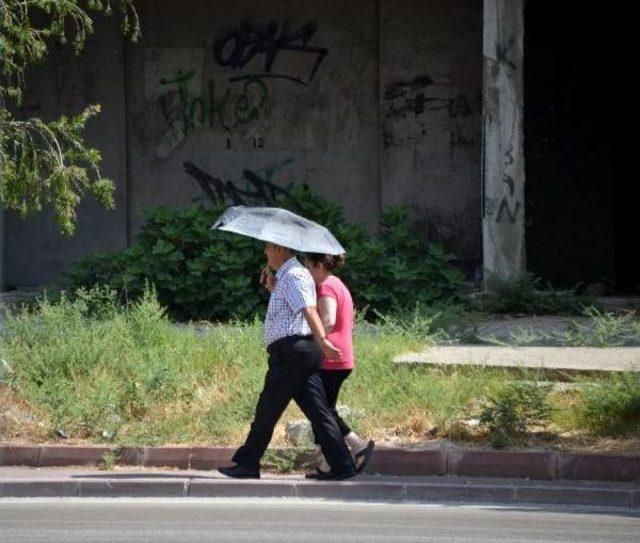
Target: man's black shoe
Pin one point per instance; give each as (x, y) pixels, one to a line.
(240, 472)
(332, 476)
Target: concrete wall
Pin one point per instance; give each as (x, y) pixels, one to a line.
(318, 128)
(431, 106)
(369, 102)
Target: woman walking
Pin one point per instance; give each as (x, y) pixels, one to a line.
(335, 306)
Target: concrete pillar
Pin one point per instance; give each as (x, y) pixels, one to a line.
(503, 226)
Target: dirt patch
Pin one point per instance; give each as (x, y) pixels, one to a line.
(21, 422)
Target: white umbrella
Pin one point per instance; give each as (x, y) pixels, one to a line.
(279, 226)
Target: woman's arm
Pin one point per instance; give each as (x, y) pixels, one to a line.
(328, 309)
(318, 331)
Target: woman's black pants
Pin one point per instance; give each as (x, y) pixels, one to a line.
(332, 381)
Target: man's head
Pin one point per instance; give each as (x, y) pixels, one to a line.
(276, 255)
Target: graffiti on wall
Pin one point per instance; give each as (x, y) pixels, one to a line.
(504, 207)
(228, 102)
(237, 47)
(225, 109)
(406, 103)
(503, 52)
(509, 205)
(405, 98)
(254, 188)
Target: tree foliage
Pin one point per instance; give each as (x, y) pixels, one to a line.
(47, 163)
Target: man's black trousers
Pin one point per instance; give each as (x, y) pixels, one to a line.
(294, 374)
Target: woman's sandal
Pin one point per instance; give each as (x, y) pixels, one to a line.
(363, 456)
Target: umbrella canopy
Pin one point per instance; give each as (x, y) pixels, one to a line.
(279, 226)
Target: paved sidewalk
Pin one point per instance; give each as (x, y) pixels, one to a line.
(504, 328)
(83, 482)
(561, 358)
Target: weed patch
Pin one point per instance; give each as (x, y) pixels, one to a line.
(611, 407)
(104, 372)
(513, 409)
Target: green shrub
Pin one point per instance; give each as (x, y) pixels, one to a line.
(611, 407)
(395, 269)
(204, 274)
(198, 273)
(512, 409)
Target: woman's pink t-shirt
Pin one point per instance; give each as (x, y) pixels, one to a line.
(342, 334)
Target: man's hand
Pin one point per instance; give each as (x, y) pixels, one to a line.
(313, 320)
(329, 350)
(267, 279)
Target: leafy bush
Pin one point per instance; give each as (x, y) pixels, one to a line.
(204, 274)
(198, 272)
(611, 407)
(395, 269)
(512, 409)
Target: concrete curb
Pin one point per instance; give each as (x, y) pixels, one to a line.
(427, 490)
(550, 466)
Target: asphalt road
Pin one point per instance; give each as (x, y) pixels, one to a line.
(186, 521)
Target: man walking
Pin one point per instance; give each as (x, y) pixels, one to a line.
(296, 341)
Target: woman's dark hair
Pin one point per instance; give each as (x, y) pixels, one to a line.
(330, 262)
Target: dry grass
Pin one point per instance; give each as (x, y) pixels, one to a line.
(20, 420)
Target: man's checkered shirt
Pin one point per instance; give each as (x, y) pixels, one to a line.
(294, 291)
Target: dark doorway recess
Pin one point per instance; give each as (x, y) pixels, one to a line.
(581, 151)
